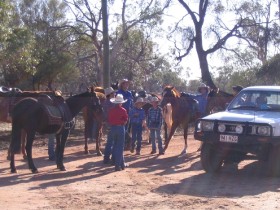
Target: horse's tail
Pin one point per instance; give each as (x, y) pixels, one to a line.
(16, 139)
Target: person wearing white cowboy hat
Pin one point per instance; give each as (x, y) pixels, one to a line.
(154, 123)
(203, 87)
(117, 119)
(127, 95)
(201, 98)
(137, 120)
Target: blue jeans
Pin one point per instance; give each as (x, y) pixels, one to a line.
(51, 147)
(136, 129)
(117, 133)
(155, 133)
(109, 146)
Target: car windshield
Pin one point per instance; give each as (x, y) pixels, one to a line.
(256, 100)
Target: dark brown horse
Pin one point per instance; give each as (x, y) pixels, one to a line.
(217, 100)
(8, 98)
(90, 117)
(182, 112)
(46, 116)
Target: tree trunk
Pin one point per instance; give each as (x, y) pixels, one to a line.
(106, 53)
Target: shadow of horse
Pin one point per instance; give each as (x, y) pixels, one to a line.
(34, 115)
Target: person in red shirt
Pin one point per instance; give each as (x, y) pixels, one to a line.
(117, 119)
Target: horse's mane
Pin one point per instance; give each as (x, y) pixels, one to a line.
(173, 90)
(100, 95)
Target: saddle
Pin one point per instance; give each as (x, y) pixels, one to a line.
(57, 110)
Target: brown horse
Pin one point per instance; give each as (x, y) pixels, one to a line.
(46, 116)
(8, 98)
(90, 117)
(217, 100)
(182, 112)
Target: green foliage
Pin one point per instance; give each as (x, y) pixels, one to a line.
(269, 72)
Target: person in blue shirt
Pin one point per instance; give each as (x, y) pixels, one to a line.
(137, 121)
(201, 98)
(127, 95)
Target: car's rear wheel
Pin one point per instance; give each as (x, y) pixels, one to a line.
(211, 158)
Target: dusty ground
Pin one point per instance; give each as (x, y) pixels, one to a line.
(163, 182)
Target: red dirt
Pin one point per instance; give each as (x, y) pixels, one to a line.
(170, 181)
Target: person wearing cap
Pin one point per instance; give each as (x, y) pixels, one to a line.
(127, 95)
(236, 89)
(201, 99)
(154, 123)
(117, 119)
(137, 121)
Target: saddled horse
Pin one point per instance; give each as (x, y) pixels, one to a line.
(92, 117)
(46, 116)
(8, 98)
(182, 112)
(217, 100)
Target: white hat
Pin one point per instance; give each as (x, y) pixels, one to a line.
(140, 100)
(109, 91)
(118, 99)
(202, 86)
(154, 99)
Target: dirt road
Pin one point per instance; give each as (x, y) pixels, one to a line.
(171, 181)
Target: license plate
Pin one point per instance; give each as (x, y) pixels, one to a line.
(229, 138)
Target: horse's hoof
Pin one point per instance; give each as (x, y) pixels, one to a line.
(24, 157)
(13, 171)
(35, 171)
(86, 152)
(184, 152)
(62, 169)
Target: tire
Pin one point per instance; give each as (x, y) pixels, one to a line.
(211, 159)
(274, 162)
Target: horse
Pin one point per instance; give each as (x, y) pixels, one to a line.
(182, 112)
(217, 100)
(8, 98)
(92, 117)
(46, 116)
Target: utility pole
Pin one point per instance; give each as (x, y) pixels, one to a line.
(106, 52)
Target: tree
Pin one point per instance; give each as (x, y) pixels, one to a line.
(269, 72)
(197, 35)
(143, 14)
(45, 21)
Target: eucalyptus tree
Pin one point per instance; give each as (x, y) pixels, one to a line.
(215, 27)
(45, 21)
(131, 16)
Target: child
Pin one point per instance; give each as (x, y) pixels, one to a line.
(117, 119)
(154, 123)
(137, 119)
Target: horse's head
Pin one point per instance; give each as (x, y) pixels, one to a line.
(168, 95)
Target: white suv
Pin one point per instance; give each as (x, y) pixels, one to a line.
(248, 129)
